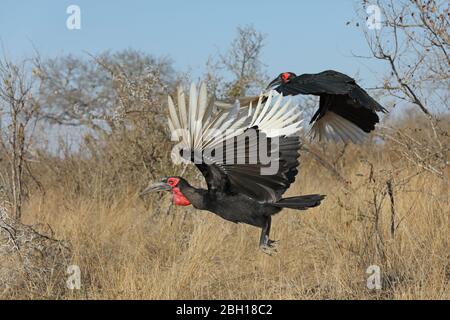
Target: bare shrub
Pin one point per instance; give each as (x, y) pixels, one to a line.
(239, 71)
(118, 103)
(32, 264)
(18, 110)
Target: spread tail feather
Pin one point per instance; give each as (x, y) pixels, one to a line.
(300, 202)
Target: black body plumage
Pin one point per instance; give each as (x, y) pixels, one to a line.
(240, 208)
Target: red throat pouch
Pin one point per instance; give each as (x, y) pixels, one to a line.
(178, 198)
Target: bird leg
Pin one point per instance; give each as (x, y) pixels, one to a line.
(265, 244)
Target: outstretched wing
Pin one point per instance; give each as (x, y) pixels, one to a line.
(346, 111)
(261, 167)
(249, 151)
(272, 170)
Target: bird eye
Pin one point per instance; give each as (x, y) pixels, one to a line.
(171, 182)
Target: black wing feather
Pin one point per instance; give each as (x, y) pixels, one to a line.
(247, 178)
(338, 93)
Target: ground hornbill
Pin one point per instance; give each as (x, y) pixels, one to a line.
(248, 156)
(346, 112)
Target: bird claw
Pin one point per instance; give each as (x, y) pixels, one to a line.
(269, 247)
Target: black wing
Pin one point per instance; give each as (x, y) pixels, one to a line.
(339, 94)
(250, 172)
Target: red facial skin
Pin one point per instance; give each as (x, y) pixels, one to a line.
(178, 198)
(285, 77)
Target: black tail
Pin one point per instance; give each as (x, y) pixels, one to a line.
(300, 202)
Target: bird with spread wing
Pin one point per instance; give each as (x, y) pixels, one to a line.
(248, 157)
(346, 112)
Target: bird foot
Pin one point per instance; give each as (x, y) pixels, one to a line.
(269, 247)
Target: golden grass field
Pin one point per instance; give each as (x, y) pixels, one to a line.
(132, 248)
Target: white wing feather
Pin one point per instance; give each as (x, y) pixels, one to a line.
(203, 126)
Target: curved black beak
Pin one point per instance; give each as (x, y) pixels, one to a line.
(275, 83)
(155, 187)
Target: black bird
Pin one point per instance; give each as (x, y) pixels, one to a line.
(249, 158)
(346, 112)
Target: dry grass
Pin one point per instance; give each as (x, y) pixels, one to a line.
(128, 248)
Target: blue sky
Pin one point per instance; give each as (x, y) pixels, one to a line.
(302, 36)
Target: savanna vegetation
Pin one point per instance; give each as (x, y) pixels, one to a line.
(81, 136)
